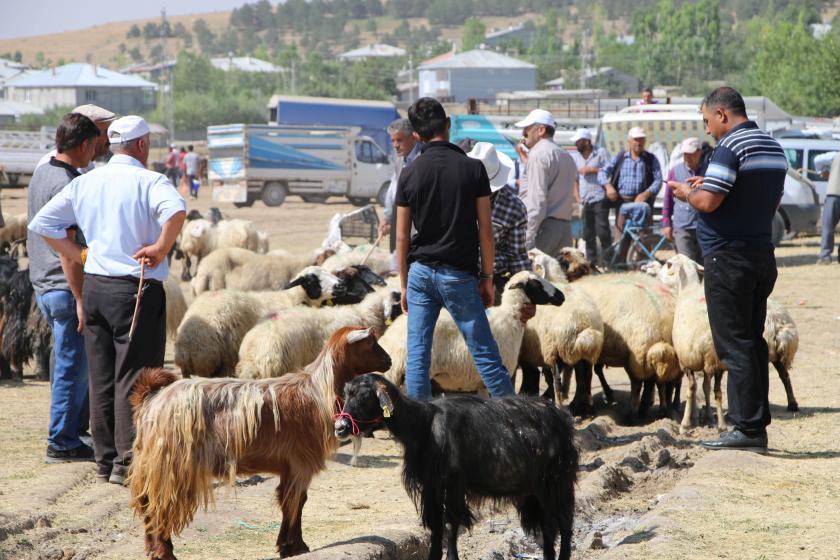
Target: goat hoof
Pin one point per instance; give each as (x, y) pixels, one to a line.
(793, 407)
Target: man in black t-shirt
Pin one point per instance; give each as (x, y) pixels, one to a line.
(446, 196)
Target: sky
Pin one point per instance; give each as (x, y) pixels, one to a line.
(22, 18)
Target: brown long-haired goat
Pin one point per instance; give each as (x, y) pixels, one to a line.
(192, 431)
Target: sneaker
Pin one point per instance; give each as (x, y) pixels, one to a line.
(736, 439)
(118, 475)
(824, 260)
(81, 453)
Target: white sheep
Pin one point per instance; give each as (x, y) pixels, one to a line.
(266, 272)
(201, 237)
(176, 305)
(14, 230)
(452, 368)
(289, 339)
(379, 260)
(695, 348)
(547, 266)
(208, 338)
(211, 273)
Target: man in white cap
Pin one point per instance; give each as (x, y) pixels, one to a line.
(679, 218)
(548, 189)
(102, 118)
(595, 207)
(508, 214)
(130, 217)
(633, 175)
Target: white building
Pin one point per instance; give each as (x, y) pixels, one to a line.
(378, 50)
(245, 64)
(476, 74)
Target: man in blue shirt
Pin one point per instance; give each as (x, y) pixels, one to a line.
(129, 216)
(736, 201)
(679, 218)
(632, 176)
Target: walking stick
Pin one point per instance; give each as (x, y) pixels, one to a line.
(137, 303)
(374, 246)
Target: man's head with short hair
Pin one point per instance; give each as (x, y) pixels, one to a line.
(402, 136)
(190, 148)
(723, 109)
(428, 119)
(647, 96)
(76, 136)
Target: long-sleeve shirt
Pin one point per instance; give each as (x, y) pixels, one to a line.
(548, 191)
(121, 207)
(399, 165)
(830, 160)
(676, 213)
(509, 217)
(631, 180)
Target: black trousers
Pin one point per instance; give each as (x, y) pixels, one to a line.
(596, 226)
(114, 363)
(737, 284)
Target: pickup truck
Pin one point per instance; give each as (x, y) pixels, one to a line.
(20, 151)
(268, 162)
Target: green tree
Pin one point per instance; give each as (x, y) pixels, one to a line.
(133, 32)
(204, 36)
(151, 31)
(370, 25)
(472, 34)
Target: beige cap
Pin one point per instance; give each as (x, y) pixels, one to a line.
(95, 113)
(691, 145)
(636, 132)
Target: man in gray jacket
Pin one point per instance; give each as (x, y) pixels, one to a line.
(58, 290)
(548, 191)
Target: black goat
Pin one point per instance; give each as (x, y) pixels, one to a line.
(24, 332)
(464, 450)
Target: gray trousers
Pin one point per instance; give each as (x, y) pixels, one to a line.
(830, 217)
(553, 235)
(686, 242)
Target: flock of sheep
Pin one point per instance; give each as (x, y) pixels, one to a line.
(260, 313)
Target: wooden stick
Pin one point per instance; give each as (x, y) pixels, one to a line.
(370, 251)
(137, 303)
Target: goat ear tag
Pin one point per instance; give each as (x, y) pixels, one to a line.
(386, 412)
(385, 402)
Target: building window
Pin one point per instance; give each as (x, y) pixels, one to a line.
(90, 95)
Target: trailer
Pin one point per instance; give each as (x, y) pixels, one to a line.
(20, 151)
(265, 162)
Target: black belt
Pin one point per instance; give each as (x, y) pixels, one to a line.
(126, 278)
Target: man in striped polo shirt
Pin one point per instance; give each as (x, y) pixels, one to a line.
(736, 201)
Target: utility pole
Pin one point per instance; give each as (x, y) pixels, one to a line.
(167, 92)
(294, 77)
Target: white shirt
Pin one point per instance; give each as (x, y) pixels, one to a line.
(121, 207)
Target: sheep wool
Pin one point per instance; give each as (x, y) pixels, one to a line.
(212, 271)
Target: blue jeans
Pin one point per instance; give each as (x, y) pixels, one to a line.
(70, 377)
(429, 289)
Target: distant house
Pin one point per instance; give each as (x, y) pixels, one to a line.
(9, 69)
(378, 50)
(12, 111)
(152, 71)
(245, 64)
(820, 30)
(76, 84)
(522, 34)
(476, 74)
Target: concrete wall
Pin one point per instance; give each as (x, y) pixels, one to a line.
(122, 101)
(462, 84)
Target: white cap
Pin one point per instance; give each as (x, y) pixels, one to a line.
(498, 165)
(95, 113)
(690, 145)
(582, 134)
(636, 132)
(127, 128)
(537, 116)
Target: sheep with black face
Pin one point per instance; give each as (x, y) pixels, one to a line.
(463, 450)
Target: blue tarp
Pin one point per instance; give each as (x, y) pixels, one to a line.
(373, 119)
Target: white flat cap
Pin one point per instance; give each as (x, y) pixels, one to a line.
(127, 128)
(95, 113)
(537, 116)
(582, 134)
(636, 132)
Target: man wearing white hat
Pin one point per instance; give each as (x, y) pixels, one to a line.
(595, 207)
(633, 175)
(548, 191)
(679, 218)
(130, 217)
(102, 118)
(508, 214)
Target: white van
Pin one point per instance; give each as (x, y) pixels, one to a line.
(800, 153)
(667, 126)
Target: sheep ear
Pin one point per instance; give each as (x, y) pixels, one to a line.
(356, 336)
(384, 400)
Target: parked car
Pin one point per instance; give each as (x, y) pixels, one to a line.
(800, 153)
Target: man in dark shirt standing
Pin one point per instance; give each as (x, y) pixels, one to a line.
(446, 195)
(736, 201)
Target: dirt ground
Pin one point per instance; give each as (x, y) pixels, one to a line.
(644, 491)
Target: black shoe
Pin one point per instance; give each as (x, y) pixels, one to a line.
(86, 438)
(737, 439)
(118, 475)
(81, 453)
